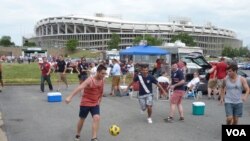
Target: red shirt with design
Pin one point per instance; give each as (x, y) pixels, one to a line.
(45, 67)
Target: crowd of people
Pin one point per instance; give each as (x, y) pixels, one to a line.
(223, 82)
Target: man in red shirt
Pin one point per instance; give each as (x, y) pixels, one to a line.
(93, 91)
(221, 72)
(212, 82)
(45, 70)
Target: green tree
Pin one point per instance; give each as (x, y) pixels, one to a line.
(29, 44)
(243, 51)
(6, 41)
(152, 41)
(227, 51)
(235, 52)
(137, 40)
(184, 38)
(114, 42)
(71, 45)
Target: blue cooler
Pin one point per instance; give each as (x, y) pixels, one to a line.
(198, 108)
(54, 97)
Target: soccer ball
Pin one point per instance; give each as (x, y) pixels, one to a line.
(114, 130)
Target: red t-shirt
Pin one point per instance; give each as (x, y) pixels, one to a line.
(45, 67)
(158, 64)
(92, 92)
(212, 74)
(221, 70)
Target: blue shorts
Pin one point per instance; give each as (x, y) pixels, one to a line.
(234, 110)
(84, 111)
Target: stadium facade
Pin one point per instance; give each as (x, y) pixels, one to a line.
(95, 32)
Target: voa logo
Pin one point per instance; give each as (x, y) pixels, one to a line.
(236, 132)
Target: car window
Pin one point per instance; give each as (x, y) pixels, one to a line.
(200, 61)
(187, 60)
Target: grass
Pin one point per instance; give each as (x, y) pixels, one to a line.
(85, 53)
(20, 74)
(25, 74)
(29, 74)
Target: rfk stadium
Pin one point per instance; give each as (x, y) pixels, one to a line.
(95, 32)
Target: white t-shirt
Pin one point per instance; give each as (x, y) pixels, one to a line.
(130, 67)
(193, 82)
(93, 71)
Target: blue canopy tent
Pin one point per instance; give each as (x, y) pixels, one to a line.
(144, 50)
(145, 54)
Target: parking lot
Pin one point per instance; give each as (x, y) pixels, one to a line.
(28, 116)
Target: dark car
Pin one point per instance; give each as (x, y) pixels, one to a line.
(205, 66)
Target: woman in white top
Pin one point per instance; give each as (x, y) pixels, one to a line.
(92, 70)
(131, 68)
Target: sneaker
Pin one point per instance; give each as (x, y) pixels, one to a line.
(95, 139)
(169, 119)
(150, 120)
(181, 119)
(77, 138)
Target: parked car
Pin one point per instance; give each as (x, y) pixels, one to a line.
(205, 66)
(242, 66)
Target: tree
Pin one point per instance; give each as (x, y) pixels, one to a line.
(71, 45)
(29, 44)
(114, 42)
(153, 41)
(184, 38)
(235, 52)
(243, 51)
(6, 41)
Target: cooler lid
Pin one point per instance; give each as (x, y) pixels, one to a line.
(199, 103)
(54, 93)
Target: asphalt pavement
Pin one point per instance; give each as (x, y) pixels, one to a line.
(28, 116)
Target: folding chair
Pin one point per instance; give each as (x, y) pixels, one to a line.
(164, 85)
(193, 93)
(122, 89)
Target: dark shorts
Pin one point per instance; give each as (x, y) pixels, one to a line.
(234, 109)
(84, 111)
(82, 77)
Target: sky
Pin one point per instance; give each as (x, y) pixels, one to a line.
(18, 17)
